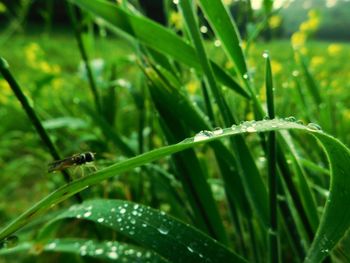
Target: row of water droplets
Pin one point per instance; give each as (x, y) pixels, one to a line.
(256, 126)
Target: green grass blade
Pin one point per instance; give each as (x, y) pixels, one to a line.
(335, 220)
(154, 230)
(274, 249)
(310, 82)
(103, 250)
(154, 36)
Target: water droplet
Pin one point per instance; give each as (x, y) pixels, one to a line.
(202, 135)
(176, 2)
(144, 225)
(314, 127)
(234, 127)
(122, 211)
(100, 220)
(203, 29)
(190, 249)
(112, 209)
(163, 230)
(245, 76)
(251, 129)
(266, 54)
(218, 131)
(217, 43)
(87, 214)
(112, 255)
(99, 251)
(290, 119)
(51, 245)
(133, 221)
(295, 73)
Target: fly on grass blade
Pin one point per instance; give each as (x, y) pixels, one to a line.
(76, 159)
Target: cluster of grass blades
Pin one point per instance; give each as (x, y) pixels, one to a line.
(266, 212)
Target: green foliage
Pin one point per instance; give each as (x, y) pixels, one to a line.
(171, 185)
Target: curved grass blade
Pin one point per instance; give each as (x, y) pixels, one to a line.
(335, 220)
(106, 250)
(154, 36)
(154, 230)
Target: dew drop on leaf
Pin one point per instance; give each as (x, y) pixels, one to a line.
(163, 230)
(314, 127)
(218, 131)
(202, 135)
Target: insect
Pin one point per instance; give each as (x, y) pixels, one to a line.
(76, 159)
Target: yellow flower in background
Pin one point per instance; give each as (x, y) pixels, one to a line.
(3, 8)
(176, 19)
(275, 21)
(57, 83)
(298, 39)
(192, 87)
(276, 67)
(56, 69)
(32, 53)
(334, 49)
(317, 61)
(35, 59)
(5, 91)
(346, 114)
(45, 67)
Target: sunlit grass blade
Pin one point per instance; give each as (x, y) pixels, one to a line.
(152, 35)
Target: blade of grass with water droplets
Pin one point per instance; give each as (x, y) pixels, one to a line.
(154, 230)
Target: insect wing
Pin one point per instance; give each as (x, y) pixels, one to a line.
(61, 164)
